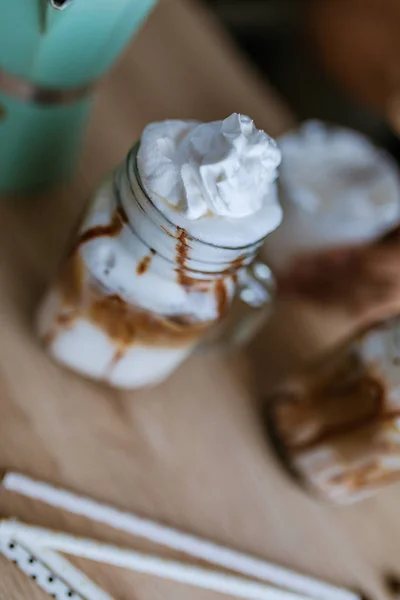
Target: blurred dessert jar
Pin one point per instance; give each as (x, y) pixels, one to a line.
(158, 257)
(337, 426)
(336, 189)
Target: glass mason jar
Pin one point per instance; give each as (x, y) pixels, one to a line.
(136, 293)
(249, 311)
(336, 427)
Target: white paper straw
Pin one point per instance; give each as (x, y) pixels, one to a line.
(177, 540)
(50, 571)
(142, 563)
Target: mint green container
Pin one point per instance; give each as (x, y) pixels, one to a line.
(52, 53)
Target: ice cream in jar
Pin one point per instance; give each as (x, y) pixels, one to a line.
(158, 257)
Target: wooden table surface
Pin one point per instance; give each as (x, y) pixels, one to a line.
(192, 452)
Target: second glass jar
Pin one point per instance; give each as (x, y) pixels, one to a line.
(336, 426)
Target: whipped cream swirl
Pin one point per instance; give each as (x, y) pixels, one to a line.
(339, 172)
(224, 168)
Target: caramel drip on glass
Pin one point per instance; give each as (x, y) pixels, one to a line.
(144, 264)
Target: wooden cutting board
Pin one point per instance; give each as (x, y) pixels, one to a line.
(192, 452)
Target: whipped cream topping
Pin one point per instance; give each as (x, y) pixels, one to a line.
(221, 169)
(338, 172)
(336, 189)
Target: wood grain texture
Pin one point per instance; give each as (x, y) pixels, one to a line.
(192, 452)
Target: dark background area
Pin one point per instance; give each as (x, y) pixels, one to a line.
(273, 34)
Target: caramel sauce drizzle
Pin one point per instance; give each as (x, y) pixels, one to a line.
(221, 292)
(71, 279)
(125, 324)
(144, 264)
(222, 297)
(113, 229)
(368, 387)
(234, 277)
(182, 255)
(119, 355)
(182, 252)
(66, 320)
(121, 322)
(165, 230)
(237, 263)
(62, 321)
